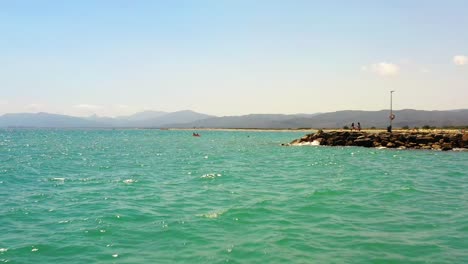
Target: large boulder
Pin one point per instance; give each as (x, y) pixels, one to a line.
(447, 146)
(364, 142)
(339, 142)
(398, 143)
(436, 147)
(424, 140)
(412, 138)
(465, 140)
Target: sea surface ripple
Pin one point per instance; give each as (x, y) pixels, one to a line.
(150, 196)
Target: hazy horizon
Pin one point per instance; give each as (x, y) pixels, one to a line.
(170, 112)
(114, 58)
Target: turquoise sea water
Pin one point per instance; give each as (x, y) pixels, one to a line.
(149, 196)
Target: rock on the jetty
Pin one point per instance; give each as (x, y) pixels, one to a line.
(465, 140)
(364, 142)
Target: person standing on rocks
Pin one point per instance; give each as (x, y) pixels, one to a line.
(358, 126)
(352, 126)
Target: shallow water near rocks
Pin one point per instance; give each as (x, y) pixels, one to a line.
(150, 196)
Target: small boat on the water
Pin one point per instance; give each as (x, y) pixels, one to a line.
(196, 134)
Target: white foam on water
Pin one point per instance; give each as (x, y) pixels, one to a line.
(34, 250)
(229, 249)
(3, 250)
(460, 149)
(212, 215)
(129, 181)
(115, 255)
(313, 143)
(58, 179)
(211, 175)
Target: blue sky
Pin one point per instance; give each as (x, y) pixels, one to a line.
(232, 57)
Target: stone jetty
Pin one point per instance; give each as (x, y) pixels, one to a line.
(400, 140)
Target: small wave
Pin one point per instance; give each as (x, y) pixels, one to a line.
(313, 143)
(211, 175)
(229, 249)
(58, 179)
(460, 149)
(3, 250)
(212, 215)
(85, 179)
(129, 181)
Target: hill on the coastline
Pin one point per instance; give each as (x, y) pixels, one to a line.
(407, 117)
(190, 119)
(379, 119)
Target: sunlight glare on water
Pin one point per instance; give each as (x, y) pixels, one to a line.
(142, 196)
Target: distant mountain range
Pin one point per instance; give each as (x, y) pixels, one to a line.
(147, 119)
(191, 119)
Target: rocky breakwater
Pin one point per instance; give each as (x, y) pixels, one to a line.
(400, 140)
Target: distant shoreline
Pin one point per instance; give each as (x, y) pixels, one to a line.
(308, 130)
(438, 130)
(244, 129)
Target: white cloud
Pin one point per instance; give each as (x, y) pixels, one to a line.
(460, 60)
(383, 69)
(34, 107)
(88, 106)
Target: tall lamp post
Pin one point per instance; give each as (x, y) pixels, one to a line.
(391, 116)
